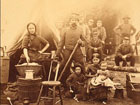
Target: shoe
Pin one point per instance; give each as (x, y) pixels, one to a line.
(104, 102)
(75, 98)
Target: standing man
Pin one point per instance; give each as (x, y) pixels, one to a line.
(125, 53)
(137, 46)
(86, 35)
(91, 24)
(70, 36)
(101, 31)
(125, 29)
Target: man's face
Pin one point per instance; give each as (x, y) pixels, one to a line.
(31, 29)
(78, 70)
(126, 21)
(126, 42)
(99, 23)
(73, 22)
(90, 22)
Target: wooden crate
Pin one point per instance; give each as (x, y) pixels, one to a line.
(133, 86)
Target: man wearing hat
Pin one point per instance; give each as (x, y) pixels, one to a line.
(101, 31)
(125, 53)
(70, 36)
(125, 29)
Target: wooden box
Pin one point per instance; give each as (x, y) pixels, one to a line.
(133, 86)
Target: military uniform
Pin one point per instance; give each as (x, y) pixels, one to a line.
(95, 44)
(125, 29)
(69, 38)
(101, 33)
(125, 50)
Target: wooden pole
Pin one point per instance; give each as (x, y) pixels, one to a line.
(68, 61)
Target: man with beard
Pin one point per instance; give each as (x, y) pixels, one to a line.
(70, 36)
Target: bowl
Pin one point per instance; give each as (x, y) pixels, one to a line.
(22, 68)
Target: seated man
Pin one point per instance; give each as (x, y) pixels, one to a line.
(125, 53)
(95, 46)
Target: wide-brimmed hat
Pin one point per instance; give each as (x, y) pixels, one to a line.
(126, 17)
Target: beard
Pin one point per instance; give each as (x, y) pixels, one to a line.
(73, 24)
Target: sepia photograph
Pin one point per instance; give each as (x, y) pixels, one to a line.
(70, 52)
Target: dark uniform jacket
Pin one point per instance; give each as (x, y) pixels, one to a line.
(96, 43)
(102, 32)
(75, 80)
(125, 50)
(92, 69)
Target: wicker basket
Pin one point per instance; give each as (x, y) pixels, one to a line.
(22, 68)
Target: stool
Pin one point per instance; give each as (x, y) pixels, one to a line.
(119, 93)
(52, 84)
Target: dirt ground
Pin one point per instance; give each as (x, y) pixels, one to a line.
(118, 76)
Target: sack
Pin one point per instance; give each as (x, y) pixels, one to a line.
(11, 91)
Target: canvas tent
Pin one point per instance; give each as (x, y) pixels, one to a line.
(16, 14)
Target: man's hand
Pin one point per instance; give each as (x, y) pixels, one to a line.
(95, 49)
(71, 91)
(138, 41)
(80, 42)
(103, 42)
(40, 52)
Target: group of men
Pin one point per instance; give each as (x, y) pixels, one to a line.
(90, 40)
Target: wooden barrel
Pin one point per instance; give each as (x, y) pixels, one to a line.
(28, 89)
(4, 69)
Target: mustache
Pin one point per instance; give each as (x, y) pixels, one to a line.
(74, 24)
